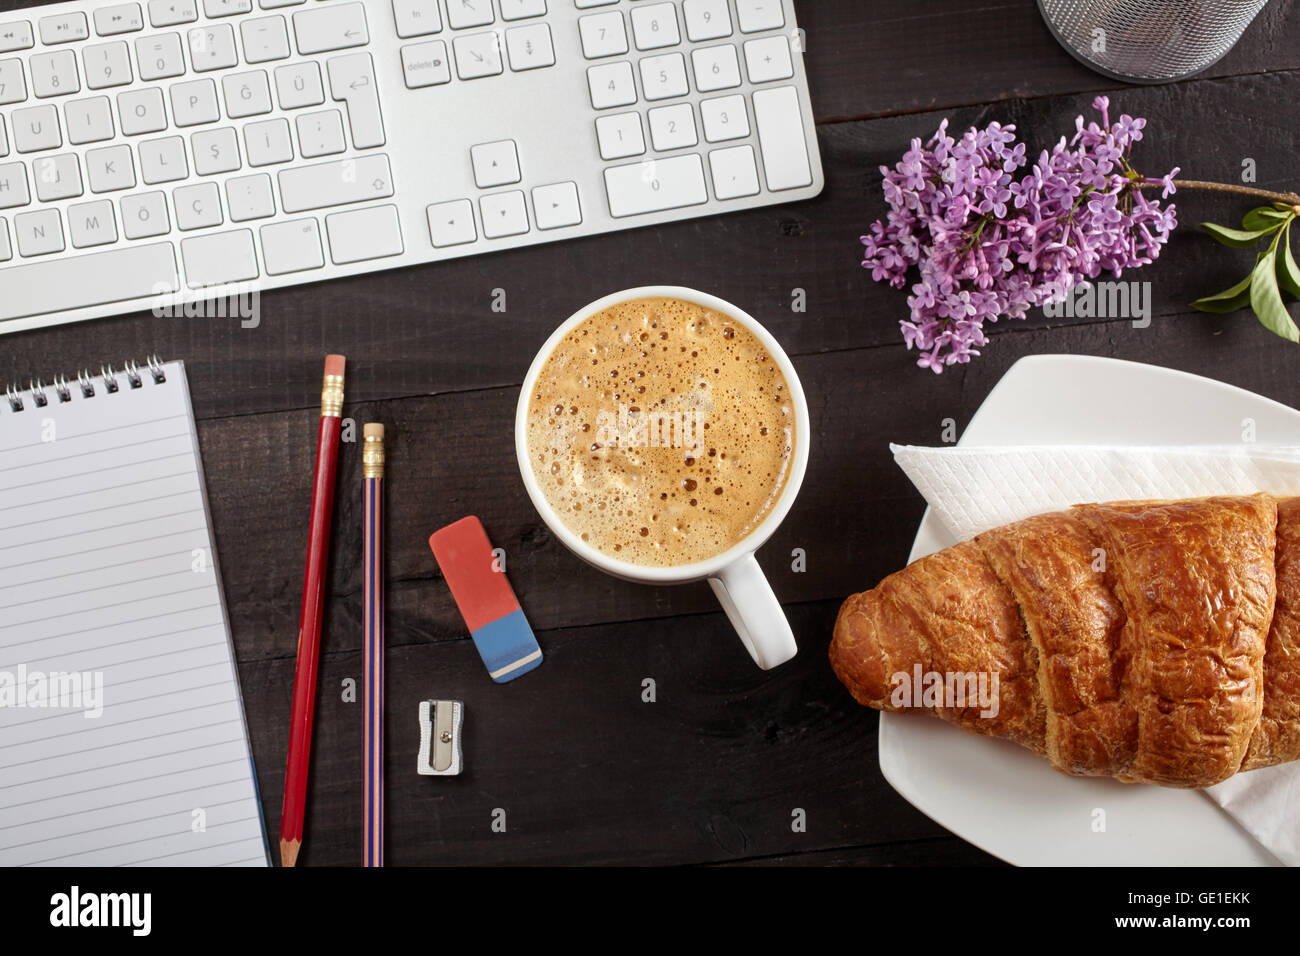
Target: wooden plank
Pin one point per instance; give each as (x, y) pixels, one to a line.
(585, 770)
(945, 851)
(432, 328)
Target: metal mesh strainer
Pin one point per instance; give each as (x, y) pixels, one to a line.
(1149, 41)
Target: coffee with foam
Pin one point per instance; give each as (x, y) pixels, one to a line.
(661, 431)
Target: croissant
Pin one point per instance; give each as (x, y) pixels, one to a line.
(1150, 641)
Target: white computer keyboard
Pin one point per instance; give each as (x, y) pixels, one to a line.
(157, 150)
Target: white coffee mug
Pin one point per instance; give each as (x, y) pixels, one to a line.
(734, 575)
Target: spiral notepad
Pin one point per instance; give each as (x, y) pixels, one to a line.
(122, 733)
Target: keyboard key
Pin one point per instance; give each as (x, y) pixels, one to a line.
(672, 127)
(724, 118)
(451, 223)
(716, 68)
(425, 64)
(706, 20)
(292, 246)
(194, 103)
(89, 121)
(530, 47)
(197, 207)
(265, 39)
(160, 56)
(36, 128)
(268, 143)
(122, 18)
(212, 47)
(247, 94)
(169, 13)
(768, 59)
(277, 4)
(734, 172)
(620, 135)
(163, 160)
(133, 272)
(6, 251)
(13, 186)
(39, 234)
(142, 111)
(603, 35)
(664, 76)
(655, 26)
(54, 74)
(477, 55)
(522, 9)
(780, 135)
(107, 64)
(504, 214)
(352, 80)
(63, 28)
(92, 224)
(335, 184)
(611, 85)
(495, 164)
(469, 13)
(219, 259)
(16, 35)
(226, 8)
(332, 27)
(249, 197)
(4, 141)
(556, 205)
(320, 134)
(145, 215)
(299, 85)
(416, 18)
(57, 177)
(110, 169)
(587, 4)
(756, 15)
(655, 185)
(364, 234)
(12, 87)
(215, 151)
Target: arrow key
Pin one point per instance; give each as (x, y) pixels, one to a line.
(495, 164)
(451, 223)
(504, 214)
(556, 205)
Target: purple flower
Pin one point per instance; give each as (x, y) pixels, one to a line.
(986, 244)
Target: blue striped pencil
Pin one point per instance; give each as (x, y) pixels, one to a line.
(372, 461)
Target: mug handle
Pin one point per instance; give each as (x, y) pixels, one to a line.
(755, 612)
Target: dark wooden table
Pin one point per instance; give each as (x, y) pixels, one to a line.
(712, 771)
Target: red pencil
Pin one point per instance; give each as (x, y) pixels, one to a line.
(313, 603)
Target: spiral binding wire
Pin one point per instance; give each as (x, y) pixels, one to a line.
(38, 393)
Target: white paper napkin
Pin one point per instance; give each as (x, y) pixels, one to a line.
(972, 489)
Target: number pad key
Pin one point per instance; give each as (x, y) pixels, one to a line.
(724, 118)
(716, 68)
(768, 59)
(54, 74)
(756, 15)
(611, 85)
(664, 76)
(706, 20)
(734, 172)
(655, 26)
(603, 35)
(620, 135)
(673, 127)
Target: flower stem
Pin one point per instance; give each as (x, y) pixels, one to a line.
(1291, 199)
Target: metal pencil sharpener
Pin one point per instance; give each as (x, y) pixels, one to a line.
(440, 726)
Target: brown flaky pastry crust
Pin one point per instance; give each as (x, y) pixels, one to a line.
(1151, 641)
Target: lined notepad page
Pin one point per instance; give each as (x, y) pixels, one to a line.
(108, 575)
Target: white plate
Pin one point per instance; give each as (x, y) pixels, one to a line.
(999, 796)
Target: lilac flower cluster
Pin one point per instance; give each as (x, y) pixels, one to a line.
(991, 238)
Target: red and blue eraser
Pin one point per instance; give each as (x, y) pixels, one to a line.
(485, 600)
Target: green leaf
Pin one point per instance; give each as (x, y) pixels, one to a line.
(1229, 300)
(1288, 274)
(1265, 219)
(1266, 299)
(1237, 238)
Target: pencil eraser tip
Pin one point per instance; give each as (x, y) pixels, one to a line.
(373, 430)
(334, 364)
